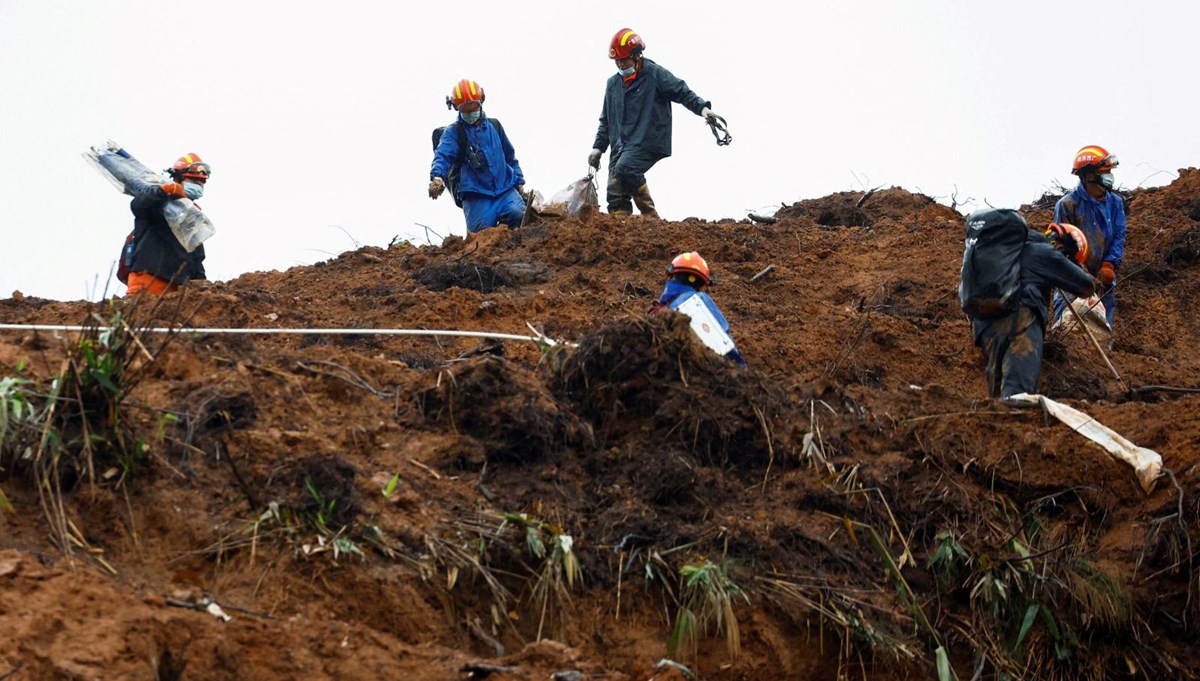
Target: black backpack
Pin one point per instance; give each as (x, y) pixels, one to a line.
(126, 259)
(452, 176)
(991, 270)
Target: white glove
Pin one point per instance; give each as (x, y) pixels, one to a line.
(594, 158)
(436, 187)
(706, 113)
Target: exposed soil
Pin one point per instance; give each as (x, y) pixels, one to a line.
(350, 500)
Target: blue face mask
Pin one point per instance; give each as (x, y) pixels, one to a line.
(625, 73)
(1106, 180)
(470, 118)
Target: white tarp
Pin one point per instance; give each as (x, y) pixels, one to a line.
(1147, 464)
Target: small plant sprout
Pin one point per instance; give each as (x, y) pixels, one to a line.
(391, 486)
(324, 513)
(948, 559)
(706, 606)
(160, 429)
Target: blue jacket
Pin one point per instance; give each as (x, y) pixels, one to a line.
(638, 115)
(158, 252)
(1102, 222)
(676, 293)
(498, 171)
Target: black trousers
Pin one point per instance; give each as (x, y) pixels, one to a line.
(1012, 352)
(626, 174)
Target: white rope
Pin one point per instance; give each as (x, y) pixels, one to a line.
(327, 332)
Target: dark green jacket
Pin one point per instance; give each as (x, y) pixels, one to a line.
(638, 115)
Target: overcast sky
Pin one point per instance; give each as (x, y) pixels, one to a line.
(316, 117)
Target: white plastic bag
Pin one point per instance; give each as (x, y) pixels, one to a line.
(1093, 314)
(580, 197)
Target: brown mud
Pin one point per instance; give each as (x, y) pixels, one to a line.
(353, 502)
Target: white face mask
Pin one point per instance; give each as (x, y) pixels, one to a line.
(625, 73)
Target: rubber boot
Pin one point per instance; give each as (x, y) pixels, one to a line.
(618, 201)
(645, 202)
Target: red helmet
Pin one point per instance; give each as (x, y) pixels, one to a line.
(626, 44)
(191, 167)
(690, 263)
(465, 91)
(1094, 158)
(1069, 239)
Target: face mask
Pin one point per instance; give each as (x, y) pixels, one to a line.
(1106, 180)
(470, 118)
(193, 190)
(625, 73)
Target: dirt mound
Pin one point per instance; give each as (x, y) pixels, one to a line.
(622, 505)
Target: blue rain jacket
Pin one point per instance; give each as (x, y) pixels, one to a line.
(1102, 222)
(498, 170)
(676, 293)
(638, 115)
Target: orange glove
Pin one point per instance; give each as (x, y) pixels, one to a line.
(175, 190)
(1106, 274)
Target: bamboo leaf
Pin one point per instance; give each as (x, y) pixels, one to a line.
(1030, 616)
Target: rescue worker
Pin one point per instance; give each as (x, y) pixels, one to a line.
(1100, 214)
(1012, 343)
(491, 185)
(636, 122)
(159, 264)
(687, 276)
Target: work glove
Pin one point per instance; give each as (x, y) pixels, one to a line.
(594, 158)
(436, 187)
(707, 114)
(1107, 275)
(193, 190)
(174, 190)
(521, 191)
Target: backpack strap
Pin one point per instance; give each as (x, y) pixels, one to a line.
(462, 138)
(462, 146)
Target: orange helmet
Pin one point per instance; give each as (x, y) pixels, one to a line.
(190, 166)
(626, 44)
(690, 263)
(1094, 158)
(465, 91)
(1070, 239)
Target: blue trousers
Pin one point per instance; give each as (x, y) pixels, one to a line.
(488, 211)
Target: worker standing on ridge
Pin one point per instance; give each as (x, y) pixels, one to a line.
(1011, 335)
(687, 275)
(1100, 214)
(159, 264)
(636, 122)
(477, 161)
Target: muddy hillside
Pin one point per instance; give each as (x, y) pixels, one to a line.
(620, 503)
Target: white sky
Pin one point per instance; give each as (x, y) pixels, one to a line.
(317, 115)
